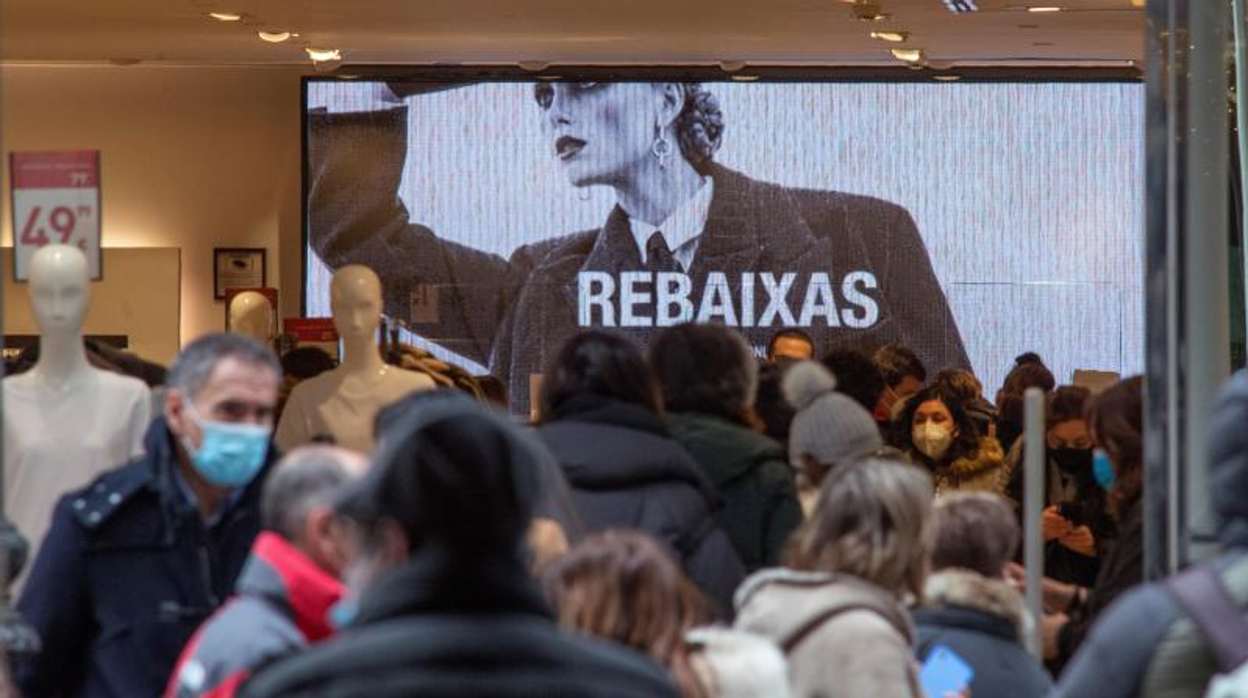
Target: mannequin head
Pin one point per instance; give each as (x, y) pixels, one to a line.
(59, 290)
(251, 314)
(355, 300)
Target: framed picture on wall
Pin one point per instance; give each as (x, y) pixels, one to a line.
(238, 267)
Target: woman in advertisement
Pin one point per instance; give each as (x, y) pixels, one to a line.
(688, 239)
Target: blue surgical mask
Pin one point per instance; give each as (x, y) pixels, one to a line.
(229, 455)
(1102, 469)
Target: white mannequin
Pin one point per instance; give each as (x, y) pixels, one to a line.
(65, 421)
(250, 313)
(342, 403)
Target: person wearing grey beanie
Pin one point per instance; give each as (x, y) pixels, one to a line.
(828, 428)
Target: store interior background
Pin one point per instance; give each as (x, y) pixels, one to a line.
(198, 121)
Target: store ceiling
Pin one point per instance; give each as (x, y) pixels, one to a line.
(1003, 32)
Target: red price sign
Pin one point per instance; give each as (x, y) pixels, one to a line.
(56, 201)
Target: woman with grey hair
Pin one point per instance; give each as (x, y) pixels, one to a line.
(687, 238)
(837, 611)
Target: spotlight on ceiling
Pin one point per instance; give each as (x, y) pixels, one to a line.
(894, 37)
(274, 37)
(909, 55)
(225, 16)
(321, 55)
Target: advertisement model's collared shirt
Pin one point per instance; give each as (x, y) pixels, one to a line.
(682, 229)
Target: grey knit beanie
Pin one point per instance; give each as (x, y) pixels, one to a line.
(829, 426)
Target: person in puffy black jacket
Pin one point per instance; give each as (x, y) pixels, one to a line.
(969, 607)
(600, 418)
(440, 602)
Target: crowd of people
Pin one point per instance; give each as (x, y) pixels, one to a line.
(690, 520)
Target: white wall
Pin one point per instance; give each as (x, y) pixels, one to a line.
(193, 158)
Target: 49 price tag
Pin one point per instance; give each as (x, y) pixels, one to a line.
(56, 201)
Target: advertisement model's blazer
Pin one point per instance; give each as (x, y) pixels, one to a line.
(858, 259)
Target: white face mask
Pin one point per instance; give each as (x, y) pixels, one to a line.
(932, 440)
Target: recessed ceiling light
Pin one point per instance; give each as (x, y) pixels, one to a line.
(274, 37)
(321, 55)
(894, 37)
(1044, 8)
(745, 78)
(909, 55)
(225, 16)
(947, 78)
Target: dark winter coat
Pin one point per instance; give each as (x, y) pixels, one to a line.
(280, 608)
(436, 629)
(1080, 500)
(754, 479)
(1122, 569)
(513, 314)
(1145, 645)
(626, 471)
(128, 571)
(981, 620)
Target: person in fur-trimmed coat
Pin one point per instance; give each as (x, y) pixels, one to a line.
(969, 607)
(935, 430)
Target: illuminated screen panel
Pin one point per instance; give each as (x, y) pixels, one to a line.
(968, 221)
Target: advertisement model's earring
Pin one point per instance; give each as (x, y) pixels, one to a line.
(662, 148)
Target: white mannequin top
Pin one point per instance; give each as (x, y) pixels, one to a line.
(341, 404)
(65, 421)
(250, 313)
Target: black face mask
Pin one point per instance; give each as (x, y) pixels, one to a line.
(1072, 461)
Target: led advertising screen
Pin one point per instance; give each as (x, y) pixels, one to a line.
(968, 221)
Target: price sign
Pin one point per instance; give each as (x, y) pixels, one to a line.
(55, 201)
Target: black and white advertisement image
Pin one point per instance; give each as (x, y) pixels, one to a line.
(966, 222)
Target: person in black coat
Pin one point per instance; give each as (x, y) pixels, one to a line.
(1146, 644)
(1116, 418)
(849, 270)
(600, 417)
(968, 605)
(138, 559)
(440, 601)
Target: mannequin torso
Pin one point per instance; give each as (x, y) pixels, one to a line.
(340, 405)
(64, 421)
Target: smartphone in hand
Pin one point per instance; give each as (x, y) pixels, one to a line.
(944, 673)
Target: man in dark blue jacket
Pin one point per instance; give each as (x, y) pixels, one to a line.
(135, 561)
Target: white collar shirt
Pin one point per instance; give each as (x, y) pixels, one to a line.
(682, 230)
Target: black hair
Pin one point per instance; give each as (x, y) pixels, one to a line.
(857, 376)
(493, 389)
(772, 407)
(601, 364)
(788, 333)
(965, 444)
(307, 362)
(452, 472)
(705, 368)
(896, 362)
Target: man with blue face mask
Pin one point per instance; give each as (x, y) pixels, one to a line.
(135, 561)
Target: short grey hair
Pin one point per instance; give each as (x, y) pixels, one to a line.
(195, 364)
(873, 521)
(304, 479)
